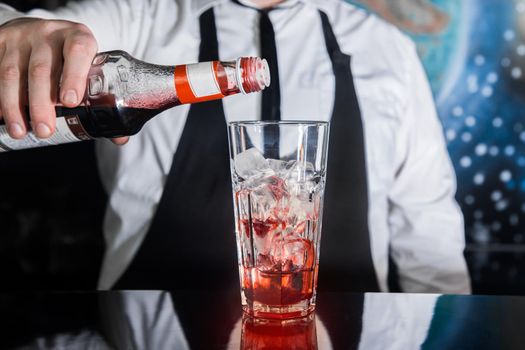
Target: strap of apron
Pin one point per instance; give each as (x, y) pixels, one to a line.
(345, 259)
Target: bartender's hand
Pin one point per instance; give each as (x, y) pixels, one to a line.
(36, 57)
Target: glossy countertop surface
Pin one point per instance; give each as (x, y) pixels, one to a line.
(214, 320)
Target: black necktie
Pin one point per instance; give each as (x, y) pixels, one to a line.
(271, 96)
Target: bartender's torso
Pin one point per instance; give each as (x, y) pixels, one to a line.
(134, 175)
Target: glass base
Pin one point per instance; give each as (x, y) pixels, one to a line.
(284, 312)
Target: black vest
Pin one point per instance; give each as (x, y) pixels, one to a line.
(191, 241)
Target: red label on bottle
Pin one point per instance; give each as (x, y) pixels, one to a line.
(197, 82)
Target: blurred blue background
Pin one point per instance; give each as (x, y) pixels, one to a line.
(473, 52)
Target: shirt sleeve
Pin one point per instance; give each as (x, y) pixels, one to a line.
(7, 13)
(116, 24)
(426, 224)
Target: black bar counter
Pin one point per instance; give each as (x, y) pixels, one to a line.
(209, 320)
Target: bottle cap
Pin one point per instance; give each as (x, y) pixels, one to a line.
(253, 74)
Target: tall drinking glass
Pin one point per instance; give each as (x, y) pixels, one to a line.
(278, 175)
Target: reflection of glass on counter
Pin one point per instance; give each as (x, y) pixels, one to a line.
(305, 333)
(276, 334)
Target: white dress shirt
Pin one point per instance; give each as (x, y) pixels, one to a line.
(411, 182)
(141, 320)
(396, 321)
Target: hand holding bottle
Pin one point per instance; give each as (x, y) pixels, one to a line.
(55, 88)
(42, 63)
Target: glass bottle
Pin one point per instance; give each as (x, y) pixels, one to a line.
(123, 93)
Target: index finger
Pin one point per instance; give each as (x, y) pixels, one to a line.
(79, 50)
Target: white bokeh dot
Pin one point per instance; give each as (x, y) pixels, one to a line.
(492, 77)
(520, 50)
(465, 161)
(495, 226)
(481, 232)
(472, 83)
(522, 136)
(505, 176)
(520, 7)
(469, 199)
(481, 149)
(497, 122)
(509, 150)
(479, 179)
(470, 121)
(479, 60)
(478, 214)
(505, 62)
(466, 137)
(450, 134)
(509, 35)
(487, 91)
(496, 195)
(514, 219)
(516, 72)
(457, 111)
(493, 151)
(501, 205)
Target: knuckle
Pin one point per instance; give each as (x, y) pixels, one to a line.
(9, 72)
(81, 28)
(83, 35)
(47, 27)
(6, 34)
(40, 70)
(80, 45)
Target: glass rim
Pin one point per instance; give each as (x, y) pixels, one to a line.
(278, 122)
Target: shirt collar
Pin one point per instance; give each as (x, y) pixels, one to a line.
(286, 3)
(202, 5)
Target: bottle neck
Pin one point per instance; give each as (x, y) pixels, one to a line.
(213, 80)
(200, 82)
(122, 81)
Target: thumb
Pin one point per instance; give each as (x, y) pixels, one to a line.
(120, 140)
